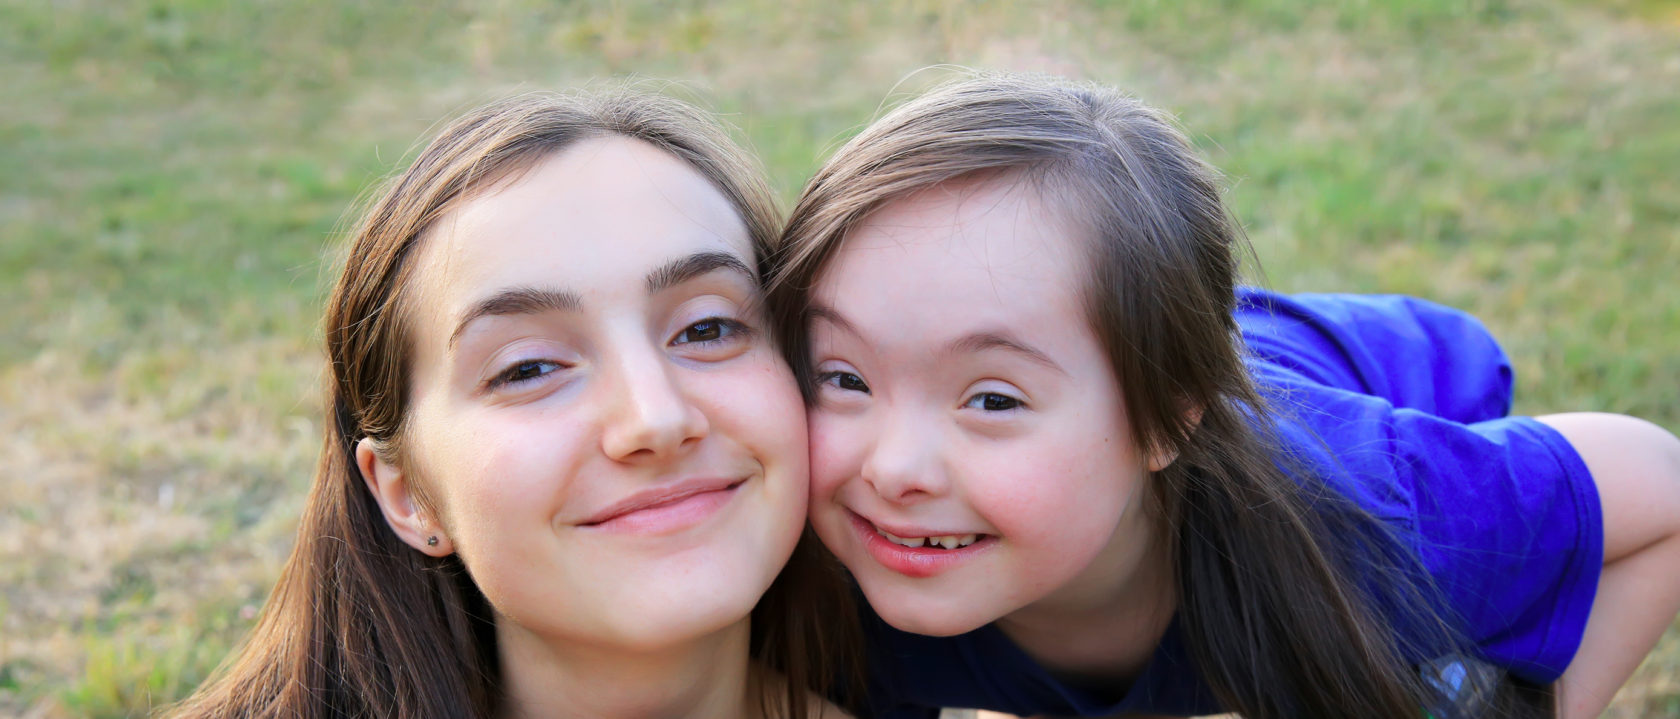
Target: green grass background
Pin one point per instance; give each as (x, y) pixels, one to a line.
(172, 173)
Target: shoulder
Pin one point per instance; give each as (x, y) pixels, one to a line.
(1635, 466)
(1503, 516)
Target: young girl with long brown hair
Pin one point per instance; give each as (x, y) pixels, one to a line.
(1077, 470)
(564, 463)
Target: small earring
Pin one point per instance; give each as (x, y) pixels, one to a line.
(431, 541)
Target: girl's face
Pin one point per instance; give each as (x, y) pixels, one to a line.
(609, 440)
(970, 454)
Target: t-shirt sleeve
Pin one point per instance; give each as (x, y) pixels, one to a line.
(1524, 578)
(1414, 353)
(1503, 514)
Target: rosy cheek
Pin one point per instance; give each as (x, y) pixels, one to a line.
(830, 465)
(1024, 493)
(515, 465)
(1018, 501)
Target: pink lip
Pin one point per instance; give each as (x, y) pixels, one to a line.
(915, 562)
(665, 509)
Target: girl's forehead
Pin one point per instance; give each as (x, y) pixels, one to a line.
(601, 199)
(958, 253)
(592, 220)
(996, 212)
(600, 195)
(996, 225)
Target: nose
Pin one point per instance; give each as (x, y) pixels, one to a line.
(903, 466)
(651, 414)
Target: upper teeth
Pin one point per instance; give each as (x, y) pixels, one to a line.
(948, 541)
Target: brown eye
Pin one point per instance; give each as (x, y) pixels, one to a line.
(711, 329)
(992, 402)
(704, 331)
(525, 371)
(845, 381)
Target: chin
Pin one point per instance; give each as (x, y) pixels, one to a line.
(655, 628)
(919, 614)
(929, 626)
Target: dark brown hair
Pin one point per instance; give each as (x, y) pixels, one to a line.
(360, 624)
(1287, 592)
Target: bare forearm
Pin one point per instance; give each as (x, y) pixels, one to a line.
(1636, 466)
(1637, 599)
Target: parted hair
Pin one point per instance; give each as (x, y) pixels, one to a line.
(359, 623)
(1288, 593)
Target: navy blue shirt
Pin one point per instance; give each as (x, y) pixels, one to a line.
(1400, 404)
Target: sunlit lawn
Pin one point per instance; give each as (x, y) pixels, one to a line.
(172, 174)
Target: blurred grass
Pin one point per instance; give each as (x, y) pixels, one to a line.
(174, 170)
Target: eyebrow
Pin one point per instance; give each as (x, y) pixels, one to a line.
(818, 311)
(518, 301)
(534, 300)
(968, 344)
(683, 269)
(983, 341)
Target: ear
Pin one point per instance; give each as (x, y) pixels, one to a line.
(1166, 456)
(1162, 459)
(396, 501)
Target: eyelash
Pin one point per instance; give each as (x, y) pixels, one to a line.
(515, 375)
(836, 377)
(729, 329)
(1013, 402)
(829, 378)
(520, 372)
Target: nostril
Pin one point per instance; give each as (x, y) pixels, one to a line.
(654, 421)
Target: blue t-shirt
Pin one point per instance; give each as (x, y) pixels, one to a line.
(1399, 404)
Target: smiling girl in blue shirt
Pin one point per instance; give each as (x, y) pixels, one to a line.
(1076, 470)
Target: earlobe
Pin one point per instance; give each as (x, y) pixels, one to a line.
(1162, 459)
(396, 501)
(1165, 456)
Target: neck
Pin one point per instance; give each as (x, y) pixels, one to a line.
(704, 678)
(1104, 625)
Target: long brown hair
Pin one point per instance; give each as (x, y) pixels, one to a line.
(1288, 592)
(360, 624)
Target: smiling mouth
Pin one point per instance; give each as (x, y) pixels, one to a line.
(944, 541)
(656, 508)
